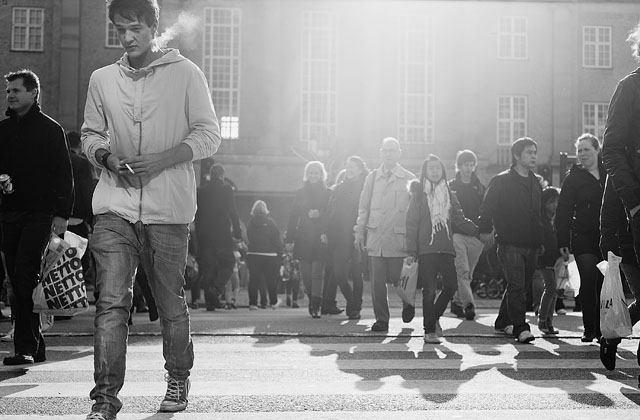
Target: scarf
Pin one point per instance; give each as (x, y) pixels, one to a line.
(439, 207)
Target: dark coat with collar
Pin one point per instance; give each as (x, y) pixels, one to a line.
(578, 213)
(470, 195)
(343, 212)
(303, 231)
(34, 152)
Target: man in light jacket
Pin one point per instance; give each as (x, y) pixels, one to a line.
(382, 214)
(147, 117)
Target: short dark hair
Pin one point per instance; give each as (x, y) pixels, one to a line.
(146, 11)
(73, 139)
(30, 80)
(518, 147)
(216, 172)
(588, 136)
(465, 156)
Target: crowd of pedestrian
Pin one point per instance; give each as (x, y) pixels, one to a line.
(366, 226)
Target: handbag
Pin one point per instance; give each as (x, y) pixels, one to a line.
(615, 321)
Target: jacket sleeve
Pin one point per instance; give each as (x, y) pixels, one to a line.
(617, 141)
(294, 219)
(62, 173)
(489, 206)
(94, 132)
(413, 223)
(204, 137)
(611, 213)
(364, 204)
(565, 211)
(458, 219)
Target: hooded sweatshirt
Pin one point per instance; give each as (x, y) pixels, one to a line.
(133, 112)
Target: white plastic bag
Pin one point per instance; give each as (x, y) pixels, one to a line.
(615, 321)
(408, 283)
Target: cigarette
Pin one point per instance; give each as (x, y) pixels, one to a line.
(129, 168)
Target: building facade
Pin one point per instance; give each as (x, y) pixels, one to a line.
(294, 80)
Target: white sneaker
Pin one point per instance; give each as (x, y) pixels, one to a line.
(46, 322)
(277, 304)
(525, 337)
(253, 308)
(432, 338)
(8, 337)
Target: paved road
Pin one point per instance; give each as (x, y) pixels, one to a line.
(281, 364)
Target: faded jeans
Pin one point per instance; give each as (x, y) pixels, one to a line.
(468, 251)
(518, 264)
(119, 247)
(549, 295)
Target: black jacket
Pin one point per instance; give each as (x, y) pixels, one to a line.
(216, 215)
(84, 184)
(469, 195)
(34, 152)
(621, 145)
(512, 205)
(578, 213)
(303, 231)
(263, 235)
(343, 212)
(615, 234)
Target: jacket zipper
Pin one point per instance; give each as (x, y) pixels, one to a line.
(139, 179)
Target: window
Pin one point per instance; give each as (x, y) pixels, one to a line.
(596, 47)
(318, 120)
(28, 25)
(415, 110)
(111, 36)
(512, 119)
(594, 117)
(221, 65)
(512, 38)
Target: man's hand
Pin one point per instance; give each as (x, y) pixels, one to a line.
(359, 242)
(564, 251)
(59, 225)
(143, 165)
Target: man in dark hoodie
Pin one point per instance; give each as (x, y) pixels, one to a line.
(470, 192)
(37, 202)
(511, 206)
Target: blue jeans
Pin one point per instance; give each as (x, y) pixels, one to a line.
(518, 265)
(119, 247)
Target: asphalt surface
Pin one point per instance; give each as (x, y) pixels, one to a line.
(281, 364)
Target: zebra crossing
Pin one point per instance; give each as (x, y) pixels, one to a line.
(357, 376)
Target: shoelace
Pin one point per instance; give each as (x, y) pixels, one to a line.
(174, 388)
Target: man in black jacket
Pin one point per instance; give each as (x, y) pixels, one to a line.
(215, 217)
(512, 206)
(34, 153)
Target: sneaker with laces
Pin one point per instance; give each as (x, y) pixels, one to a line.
(525, 337)
(431, 338)
(176, 397)
(96, 415)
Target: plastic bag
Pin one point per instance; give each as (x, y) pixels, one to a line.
(615, 320)
(408, 283)
(567, 277)
(61, 290)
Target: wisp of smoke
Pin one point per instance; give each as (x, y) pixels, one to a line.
(186, 28)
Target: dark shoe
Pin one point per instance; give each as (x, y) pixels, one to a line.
(176, 397)
(380, 326)
(470, 312)
(294, 305)
(354, 315)
(608, 350)
(18, 359)
(95, 415)
(288, 300)
(211, 308)
(408, 312)
(525, 337)
(546, 328)
(457, 310)
(332, 311)
(588, 337)
(62, 317)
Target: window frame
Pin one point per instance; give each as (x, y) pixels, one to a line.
(512, 36)
(511, 120)
(596, 129)
(109, 26)
(598, 45)
(28, 27)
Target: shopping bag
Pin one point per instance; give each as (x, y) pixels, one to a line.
(615, 320)
(567, 277)
(61, 290)
(408, 283)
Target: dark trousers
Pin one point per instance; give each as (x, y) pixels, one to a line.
(429, 266)
(345, 266)
(518, 265)
(263, 278)
(590, 285)
(24, 238)
(216, 267)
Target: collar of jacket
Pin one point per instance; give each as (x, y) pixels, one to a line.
(171, 55)
(397, 171)
(513, 172)
(578, 167)
(475, 181)
(32, 112)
